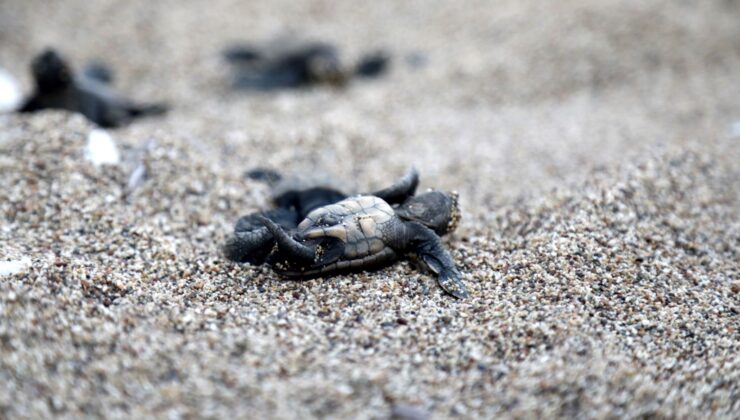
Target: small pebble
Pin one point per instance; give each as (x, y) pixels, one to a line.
(101, 149)
(11, 96)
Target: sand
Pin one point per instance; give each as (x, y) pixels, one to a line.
(594, 147)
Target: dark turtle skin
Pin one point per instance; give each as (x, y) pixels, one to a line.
(354, 233)
(292, 203)
(297, 65)
(89, 93)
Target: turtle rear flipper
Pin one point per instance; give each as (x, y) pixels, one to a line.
(105, 107)
(252, 241)
(286, 218)
(287, 245)
(249, 246)
(430, 250)
(99, 72)
(99, 105)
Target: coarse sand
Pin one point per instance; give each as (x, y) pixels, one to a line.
(594, 146)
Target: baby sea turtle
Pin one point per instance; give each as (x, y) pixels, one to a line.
(289, 64)
(322, 232)
(88, 93)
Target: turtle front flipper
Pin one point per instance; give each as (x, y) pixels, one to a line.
(99, 72)
(430, 250)
(401, 190)
(372, 65)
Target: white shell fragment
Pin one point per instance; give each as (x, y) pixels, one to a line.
(101, 149)
(8, 268)
(10, 92)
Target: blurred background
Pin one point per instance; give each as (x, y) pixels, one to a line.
(524, 94)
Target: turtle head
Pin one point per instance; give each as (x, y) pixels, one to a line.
(324, 67)
(50, 71)
(437, 210)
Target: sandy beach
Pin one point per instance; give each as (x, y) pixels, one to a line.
(594, 148)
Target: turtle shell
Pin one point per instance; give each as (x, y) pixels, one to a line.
(350, 234)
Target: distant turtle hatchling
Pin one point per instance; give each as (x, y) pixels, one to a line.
(320, 231)
(288, 63)
(88, 93)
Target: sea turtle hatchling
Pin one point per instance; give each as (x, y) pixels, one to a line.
(355, 233)
(289, 63)
(88, 93)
